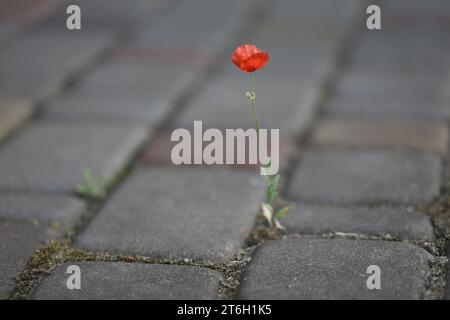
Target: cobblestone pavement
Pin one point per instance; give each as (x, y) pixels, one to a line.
(363, 118)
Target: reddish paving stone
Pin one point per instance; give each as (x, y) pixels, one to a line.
(12, 114)
(418, 135)
(158, 152)
(26, 11)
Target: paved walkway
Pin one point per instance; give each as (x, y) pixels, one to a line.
(364, 137)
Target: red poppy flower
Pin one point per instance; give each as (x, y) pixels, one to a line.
(249, 58)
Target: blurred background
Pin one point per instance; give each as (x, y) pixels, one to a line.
(103, 101)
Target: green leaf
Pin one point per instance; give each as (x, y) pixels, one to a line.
(273, 188)
(282, 212)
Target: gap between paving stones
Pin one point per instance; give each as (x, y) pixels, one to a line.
(342, 55)
(60, 251)
(22, 126)
(439, 213)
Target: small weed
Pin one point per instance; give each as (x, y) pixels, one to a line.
(93, 187)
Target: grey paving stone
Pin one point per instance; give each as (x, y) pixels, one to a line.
(435, 24)
(412, 106)
(134, 281)
(425, 52)
(109, 13)
(334, 269)
(406, 6)
(178, 213)
(421, 51)
(398, 222)
(366, 177)
(18, 242)
(36, 64)
(53, 156)
(142, 78)
(287, 106)
(406, 74)
(426, 63)
(199, 26)
(390, 83)
(6, 30)
(325, 13)
(148, 110)
(145, 97)
(12, 114)
(282, 36)
(57, 214)
(303, 61)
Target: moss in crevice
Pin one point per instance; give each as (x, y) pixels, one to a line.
(61, 251)
(41, 263)
(232, 272)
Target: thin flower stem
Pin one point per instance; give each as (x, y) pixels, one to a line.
(252, 100)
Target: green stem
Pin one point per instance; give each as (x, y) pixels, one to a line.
(252, 100)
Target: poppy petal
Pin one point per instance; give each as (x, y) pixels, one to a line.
(249, 58)
(255, 62)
